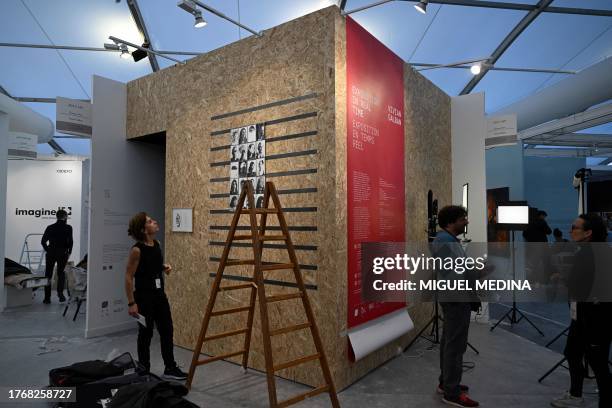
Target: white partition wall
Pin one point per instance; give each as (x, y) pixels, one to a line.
(4, 129)
(35, 190)
(468, 131)
(126, 177)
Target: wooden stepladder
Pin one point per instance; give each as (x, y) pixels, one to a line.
(258, 291)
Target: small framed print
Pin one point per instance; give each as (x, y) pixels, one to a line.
(182, 220)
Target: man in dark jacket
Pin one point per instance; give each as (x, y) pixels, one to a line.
(538, 230)
(57, 242)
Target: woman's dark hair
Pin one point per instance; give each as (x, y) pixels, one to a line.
(137, 225)
(61, 215)
(450, 214)
(595, 224)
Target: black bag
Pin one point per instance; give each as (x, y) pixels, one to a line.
(94, 380)
(82, 373)
(162, 394)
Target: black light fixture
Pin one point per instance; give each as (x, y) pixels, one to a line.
(421, 6)
(139, 54)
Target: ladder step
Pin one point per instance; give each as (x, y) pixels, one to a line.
(240, 262)
(295, 362)
(289, 329)
(226, 334)
(261, 237)
(273, 237)
(302, 397)
(260, 211)
(228, 311)
(221, 357)
(279, 298)
(276, 266)
(234, 287)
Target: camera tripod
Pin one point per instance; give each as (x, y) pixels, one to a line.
(512, 313)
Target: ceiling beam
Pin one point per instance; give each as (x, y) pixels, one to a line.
(546, 152)
(523, 7)
(573, 139)
(55, 146)
(140, 24)
(4, 91)
(606, 162)
(506, 43)
(42, 100)
(494, 5)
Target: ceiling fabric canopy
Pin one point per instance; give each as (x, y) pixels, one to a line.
(446, 34)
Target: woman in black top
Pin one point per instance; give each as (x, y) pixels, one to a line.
(144, 286)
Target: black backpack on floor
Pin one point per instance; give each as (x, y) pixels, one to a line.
(94, 380)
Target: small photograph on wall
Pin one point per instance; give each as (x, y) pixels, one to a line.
(234, 186)
(260, 167)
(242, 153)
(234, 153)
(261, 183)
(233, 202)
(259, 201)
(242, 169)
(251, 133)
(261, 135)
(234, 136)
(252, 151)
(260, 150)
(252, 168)
(234, 170)
(242, 136)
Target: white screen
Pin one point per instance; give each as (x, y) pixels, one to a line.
(464, 200)
(513, 214)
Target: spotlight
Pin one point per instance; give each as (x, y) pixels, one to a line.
(125, 54)
(199, 21)
(421, 6)
(475, 69)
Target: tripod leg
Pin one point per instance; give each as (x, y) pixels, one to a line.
(551, 370)
(419, 335)
(557, 337)
(500, 320)
(530, 322)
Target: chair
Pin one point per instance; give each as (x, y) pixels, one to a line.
(78, 294)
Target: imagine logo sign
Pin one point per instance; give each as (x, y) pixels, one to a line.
(42, 212)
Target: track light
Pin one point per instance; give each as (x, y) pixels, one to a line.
(125, 54)
(192, 8)
(421, 6)
(199, 21)
(475, 69)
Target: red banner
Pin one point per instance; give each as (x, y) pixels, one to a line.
(375, 158)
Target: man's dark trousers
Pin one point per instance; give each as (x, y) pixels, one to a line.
(59, 257)
(453, 344)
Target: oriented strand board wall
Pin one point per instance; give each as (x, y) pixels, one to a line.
(299, 58)
(195, 105)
